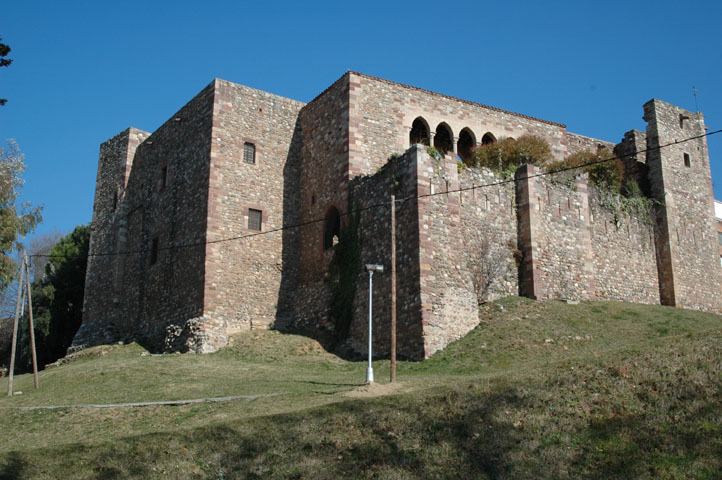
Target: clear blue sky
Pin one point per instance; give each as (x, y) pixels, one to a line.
(85, 70)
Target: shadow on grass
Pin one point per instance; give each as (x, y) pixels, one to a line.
(13, 467)
(380, 437)
(633, 446)
(453, 434)
(449, 436)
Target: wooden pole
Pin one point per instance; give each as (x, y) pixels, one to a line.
(11, 373)
(393, 288)
(30, 321)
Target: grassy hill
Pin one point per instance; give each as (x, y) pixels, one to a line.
(539, 390)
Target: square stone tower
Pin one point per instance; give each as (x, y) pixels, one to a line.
(681, 181)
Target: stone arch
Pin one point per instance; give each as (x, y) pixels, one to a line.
(331, 227)
(444, 138)
(420, 132)
(465, 145)
(488, 139)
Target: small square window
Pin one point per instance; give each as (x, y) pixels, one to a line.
(255, 219)
(682, 119)
(249, 153)
(687, 161)
(154, 251)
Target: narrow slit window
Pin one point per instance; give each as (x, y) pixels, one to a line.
(249, 153)
(154, 251)
(163, 177)
(255, 219)
(687, 161)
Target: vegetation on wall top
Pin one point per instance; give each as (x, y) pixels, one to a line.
(508, 154)
(616, 192)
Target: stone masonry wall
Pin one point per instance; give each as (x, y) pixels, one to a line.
(489, 224)
(243, 276)
(323, 186)
(575, 143)
(437, 234)
(625, 266)
(170, 292)
(632, 151)
(370, 197)
(562, 255)
(681, 181)
(108, 227)
(449, 307)
(382, 113)
(155, 299)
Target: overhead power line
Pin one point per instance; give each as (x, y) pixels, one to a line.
(386, 205)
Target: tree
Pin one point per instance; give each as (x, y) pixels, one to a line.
(491, 263)
(58, 295)
(4, 62)
(6, 334)
(14, 221)
(39, 251)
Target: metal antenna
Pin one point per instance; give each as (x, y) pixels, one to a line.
(694, 94)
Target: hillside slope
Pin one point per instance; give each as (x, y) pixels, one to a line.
(538, 390)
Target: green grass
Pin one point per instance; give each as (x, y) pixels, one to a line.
(538, 390)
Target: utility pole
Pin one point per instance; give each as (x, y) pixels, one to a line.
(393, 288)
(11, 373)
(30, 321)
(23, 294)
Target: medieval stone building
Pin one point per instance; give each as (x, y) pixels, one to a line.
(226, 218)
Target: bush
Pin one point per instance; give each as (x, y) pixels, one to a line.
(508, 154)
(605, 170)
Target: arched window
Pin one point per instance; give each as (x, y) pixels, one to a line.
(488, 138)
(444, 138)
(466, 144)
(331, 227)
(419, 132)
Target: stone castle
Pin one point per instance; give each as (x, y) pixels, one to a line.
(227, 218)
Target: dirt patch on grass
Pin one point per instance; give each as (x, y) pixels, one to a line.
(377, 390)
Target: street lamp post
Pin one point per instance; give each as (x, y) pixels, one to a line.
(371, 268)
